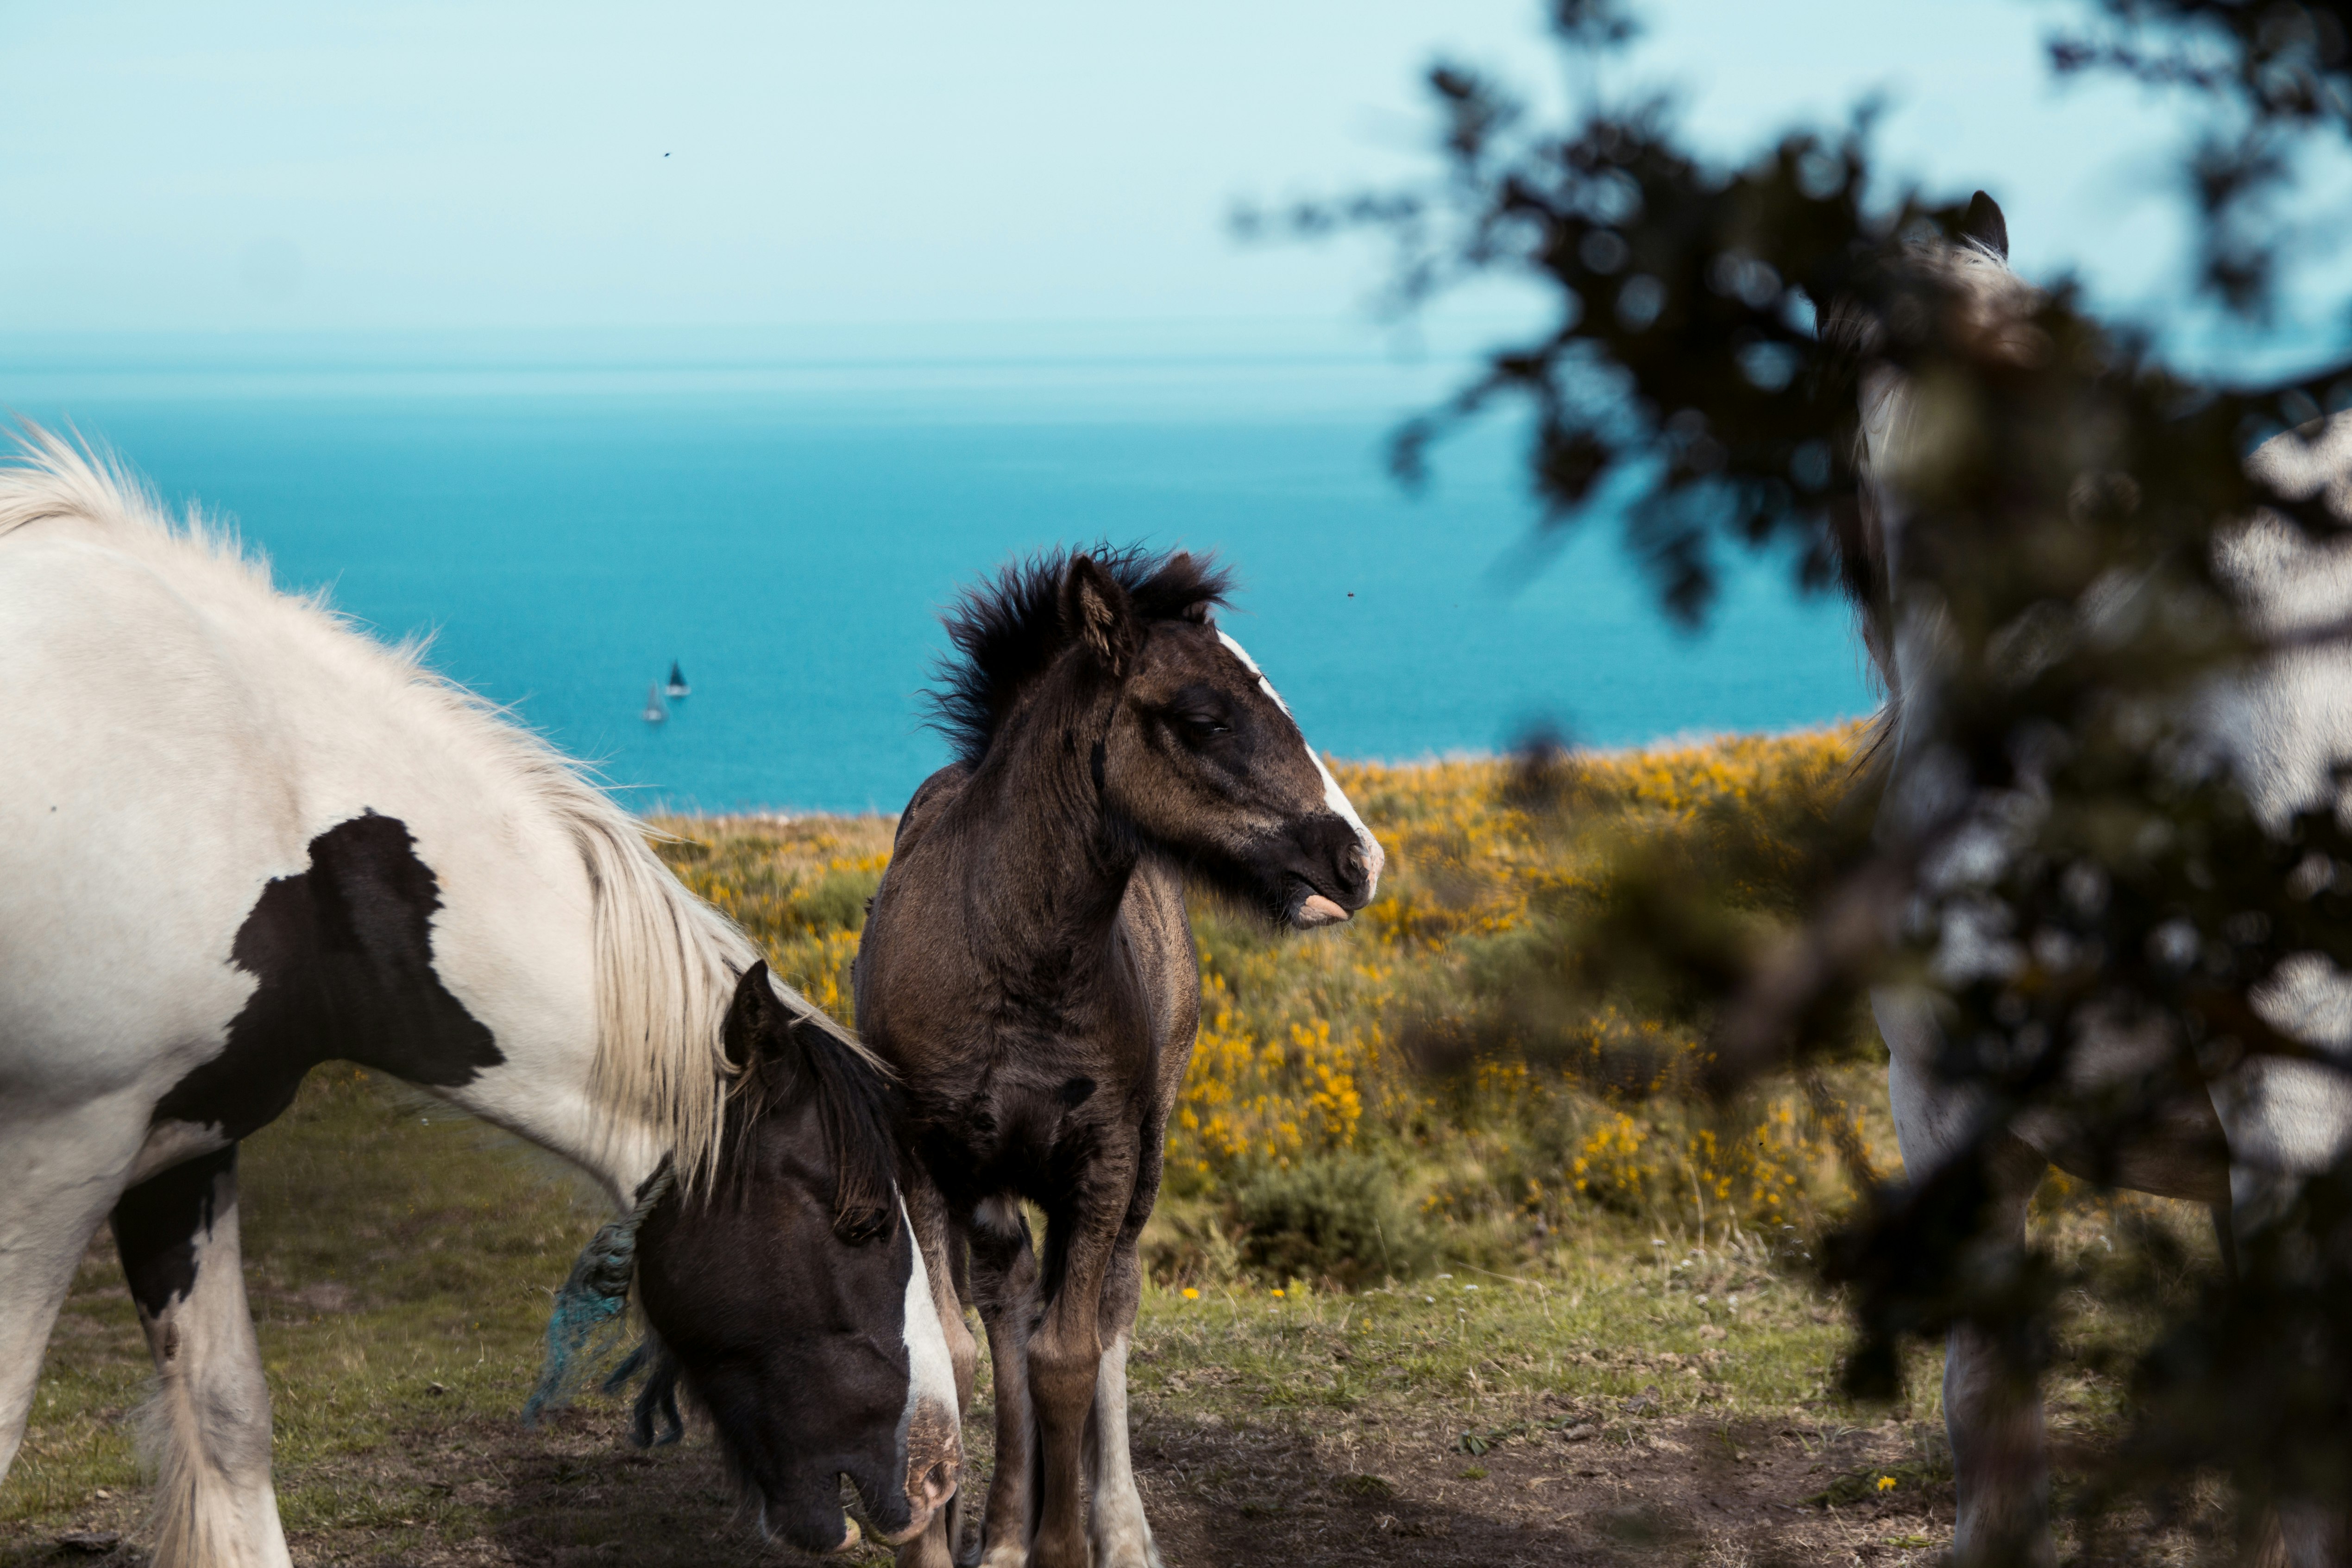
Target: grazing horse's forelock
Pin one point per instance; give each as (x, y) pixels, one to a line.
(853, 1096)
(1008, 630)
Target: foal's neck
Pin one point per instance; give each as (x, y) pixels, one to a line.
(1052, 863)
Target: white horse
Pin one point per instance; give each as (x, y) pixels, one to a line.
(238, 838)
(2244, 1148)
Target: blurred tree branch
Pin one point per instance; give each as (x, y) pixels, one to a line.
(2064, 852)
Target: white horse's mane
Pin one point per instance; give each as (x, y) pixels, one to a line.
(667, 963)
(1995, 308)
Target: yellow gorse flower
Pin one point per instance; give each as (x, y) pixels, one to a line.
(1293, 1057)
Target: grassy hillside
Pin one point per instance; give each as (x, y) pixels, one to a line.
(1312, 1137)
(1453, 1266)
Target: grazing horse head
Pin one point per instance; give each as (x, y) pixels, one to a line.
(1192, 754)
(790, 1295)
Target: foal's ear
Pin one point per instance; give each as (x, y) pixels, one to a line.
(1097, 612)
(754, 1019)
(1984, 224)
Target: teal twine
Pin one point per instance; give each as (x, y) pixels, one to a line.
(592, 1299)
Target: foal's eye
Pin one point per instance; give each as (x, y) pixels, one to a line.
(1202, 727)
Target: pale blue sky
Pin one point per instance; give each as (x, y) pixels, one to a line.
(346, 166)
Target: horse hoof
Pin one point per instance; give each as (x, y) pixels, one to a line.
(1124, 1543)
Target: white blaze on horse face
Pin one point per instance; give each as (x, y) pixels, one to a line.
(929, 1373)
(1334, 798)
(930, 1370)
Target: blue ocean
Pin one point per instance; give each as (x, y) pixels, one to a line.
(783, 513)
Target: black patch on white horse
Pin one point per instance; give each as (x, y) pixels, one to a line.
(344, 955)
(156, 1224)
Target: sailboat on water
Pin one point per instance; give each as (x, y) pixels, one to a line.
(655, 713)
(678, 686)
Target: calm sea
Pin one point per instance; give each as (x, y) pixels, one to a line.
(783, 513)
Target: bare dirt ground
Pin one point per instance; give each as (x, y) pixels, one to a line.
(1360, 1488)
(1644, 1399)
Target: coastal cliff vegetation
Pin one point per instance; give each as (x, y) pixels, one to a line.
(1448, 1077)
(1456, 1258)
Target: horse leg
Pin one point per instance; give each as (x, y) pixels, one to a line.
(1992, 1412)
(62, 1175)
(1065, 1355)
(208, 1427)
(937, 1238)
(1004, 1286)
(2285, 1122)
(1122, 1536)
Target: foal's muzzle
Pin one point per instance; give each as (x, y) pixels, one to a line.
(1336, 871)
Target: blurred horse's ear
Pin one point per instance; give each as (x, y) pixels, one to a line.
(753, 1020)
(1985, 224)
(1095, 611)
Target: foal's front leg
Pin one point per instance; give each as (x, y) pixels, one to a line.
(1066, 1359)
(1122, 1536)
(1004, 1286)
(209, 1424)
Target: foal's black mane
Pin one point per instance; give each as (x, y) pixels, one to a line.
(1007, 629)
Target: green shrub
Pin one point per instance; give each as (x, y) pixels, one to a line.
(837, 901)
(1334, 1216)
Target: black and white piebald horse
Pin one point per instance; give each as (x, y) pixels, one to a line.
(237, 839)
(2281, 728)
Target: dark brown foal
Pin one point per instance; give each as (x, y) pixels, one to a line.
(1028, 969)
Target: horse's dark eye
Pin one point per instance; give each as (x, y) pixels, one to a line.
(1198, 726)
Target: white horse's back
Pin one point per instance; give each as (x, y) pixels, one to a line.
(123, 689)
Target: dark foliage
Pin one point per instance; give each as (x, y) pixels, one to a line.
(2061, 524)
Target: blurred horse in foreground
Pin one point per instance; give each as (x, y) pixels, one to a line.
(2241, 1145)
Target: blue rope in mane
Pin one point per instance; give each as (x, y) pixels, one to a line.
(592, 1299)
